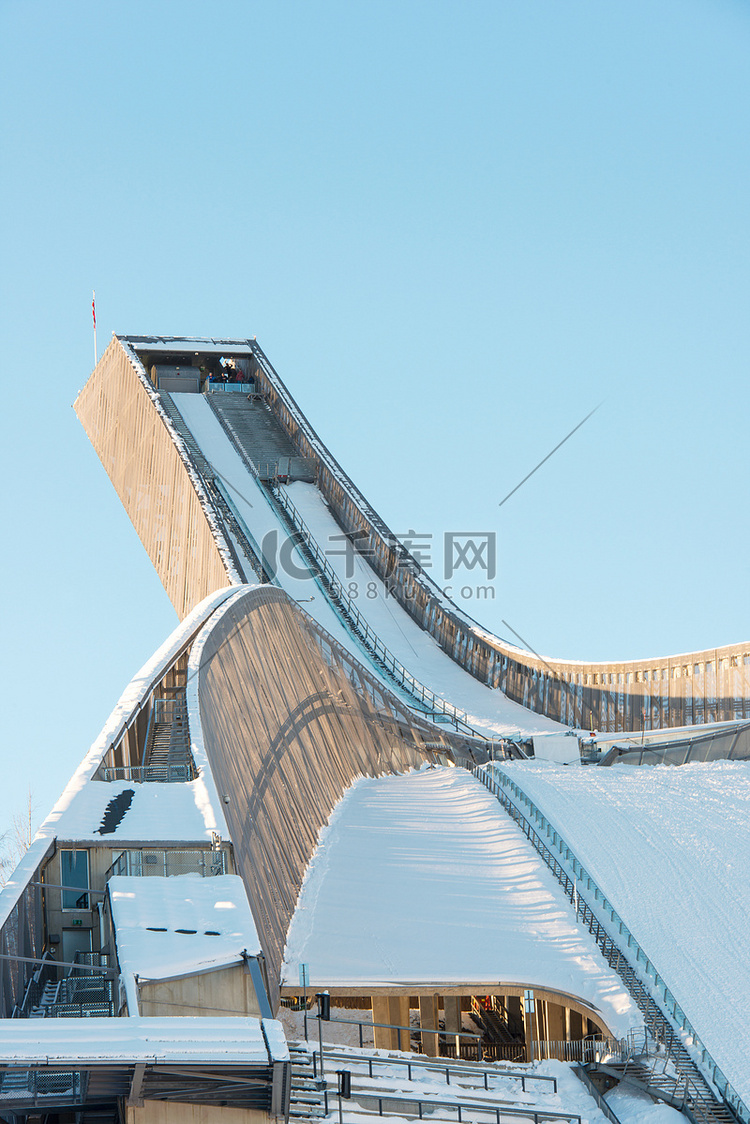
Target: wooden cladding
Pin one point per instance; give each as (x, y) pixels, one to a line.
(289, 722)
(144, 464)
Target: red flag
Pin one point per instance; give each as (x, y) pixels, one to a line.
(93, 309)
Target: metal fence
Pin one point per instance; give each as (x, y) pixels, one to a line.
(427, 700)
(167, 863)
(32, 1088)
(141, 774)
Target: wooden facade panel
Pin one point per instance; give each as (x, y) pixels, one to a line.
(287, 729)
(143, 463)
(222, 992)
(183, 1112)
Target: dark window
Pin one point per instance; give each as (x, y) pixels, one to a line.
(74, 872)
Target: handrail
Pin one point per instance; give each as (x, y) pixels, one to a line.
(441, 1066)
(430, 702)
(582, 1074)
(434, 1103)
(333, 589)
(494, 778)
(362, 1023)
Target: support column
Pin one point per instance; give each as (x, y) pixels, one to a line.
(399, 1008)
(556, 1026)
(531, 1030)
(453, 1022)
(513, 1005)
(381, 1013)
(428, 1021)
(576, 1026)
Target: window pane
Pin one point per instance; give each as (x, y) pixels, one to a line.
(74, 870)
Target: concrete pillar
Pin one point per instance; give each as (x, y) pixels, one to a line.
(428, 1020)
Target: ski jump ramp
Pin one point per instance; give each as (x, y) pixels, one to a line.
(309, 755)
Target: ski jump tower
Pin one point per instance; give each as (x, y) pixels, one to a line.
(181, 510)
(229, 750)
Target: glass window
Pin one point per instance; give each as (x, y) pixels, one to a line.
(74, 875)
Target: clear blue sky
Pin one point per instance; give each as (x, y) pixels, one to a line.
(455, 228)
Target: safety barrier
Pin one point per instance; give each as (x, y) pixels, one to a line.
(503, 788)
(426, 699)
(166, 863)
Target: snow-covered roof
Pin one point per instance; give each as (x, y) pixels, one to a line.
(194, 808)
(189, 344)
(423, 880)
(221, 1041)
(157, 813)
(167, 927)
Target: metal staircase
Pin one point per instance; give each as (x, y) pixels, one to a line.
(167, 755)
(497, 1023)
(216, 495)
(665, 1072)
(308, 1099)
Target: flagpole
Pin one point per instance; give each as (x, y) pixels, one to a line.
(93, 312)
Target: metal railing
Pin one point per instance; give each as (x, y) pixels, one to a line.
(404, 1033)
(32, 995)
(427, 700)
(143, 774)
(546, 840)
(582, 1075)
(579, 1050)
(211, 387)
(83, 993)
(402, 1104)
(448, 1071)
(166, 863)
(32, 1088)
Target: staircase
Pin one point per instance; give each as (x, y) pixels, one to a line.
(47, 1000)
(701, 1105)
(307, 1100)
(208, 476)
(402, 1084)
(498, 1026)
(167, 756)
(667, 1074)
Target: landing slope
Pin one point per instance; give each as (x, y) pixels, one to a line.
(423, 879)
(670, 847)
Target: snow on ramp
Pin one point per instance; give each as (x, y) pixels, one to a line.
(423, 879)
(670, 847)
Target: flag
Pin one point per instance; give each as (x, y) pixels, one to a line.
(93, 308)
